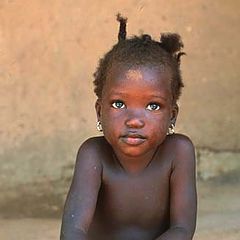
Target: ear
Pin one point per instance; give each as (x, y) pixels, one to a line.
(174, 113)
(98, 108)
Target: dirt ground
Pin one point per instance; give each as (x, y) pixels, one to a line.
(218, 217)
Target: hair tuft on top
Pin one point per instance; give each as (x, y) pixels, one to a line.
(173, 44)
(122, 28)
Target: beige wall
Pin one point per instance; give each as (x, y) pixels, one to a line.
(48, 52)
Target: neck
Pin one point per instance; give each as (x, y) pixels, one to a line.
(134, 165)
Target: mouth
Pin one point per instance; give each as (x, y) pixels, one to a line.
(133, 139)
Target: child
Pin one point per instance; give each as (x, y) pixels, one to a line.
(137, 182)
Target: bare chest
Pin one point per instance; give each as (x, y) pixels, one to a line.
(141, 200)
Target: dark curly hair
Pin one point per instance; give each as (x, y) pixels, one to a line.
(142, 50)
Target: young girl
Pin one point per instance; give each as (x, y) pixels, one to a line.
(137, 182)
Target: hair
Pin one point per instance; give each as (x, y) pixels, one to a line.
(142, 50)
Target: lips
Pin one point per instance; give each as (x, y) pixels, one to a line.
(133, 139)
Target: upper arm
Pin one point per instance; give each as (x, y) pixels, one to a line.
(82, 197)
(183, 203)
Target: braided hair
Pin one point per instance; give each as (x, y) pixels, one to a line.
(142, 50)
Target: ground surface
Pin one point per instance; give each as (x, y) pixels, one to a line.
(218, 218)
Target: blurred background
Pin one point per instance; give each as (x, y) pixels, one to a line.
(49, 50)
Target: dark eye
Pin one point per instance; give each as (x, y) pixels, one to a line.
(118, 104)
(153, 107)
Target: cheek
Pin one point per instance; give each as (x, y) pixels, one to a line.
(158, 128)
(111, 123)
(111, 129)
(158, 125)
(160, 120)
(158, 133)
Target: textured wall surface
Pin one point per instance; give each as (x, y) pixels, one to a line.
(48, 52)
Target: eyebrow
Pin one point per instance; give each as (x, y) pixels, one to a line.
(157, 96)
(150, 96)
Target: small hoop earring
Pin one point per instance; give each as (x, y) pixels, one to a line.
(99, 126)
(171, 129)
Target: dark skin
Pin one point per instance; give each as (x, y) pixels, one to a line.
(135, 182)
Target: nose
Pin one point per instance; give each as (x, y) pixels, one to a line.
(134, 121)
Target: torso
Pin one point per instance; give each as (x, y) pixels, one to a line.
(133, 206)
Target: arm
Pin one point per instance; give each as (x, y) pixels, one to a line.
(183, 197)
(82, 197)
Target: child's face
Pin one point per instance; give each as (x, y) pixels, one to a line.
(136, 109)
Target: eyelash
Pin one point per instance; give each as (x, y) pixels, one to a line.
(155, 104)
(115, 104)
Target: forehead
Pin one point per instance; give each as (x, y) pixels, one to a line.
(157, 79)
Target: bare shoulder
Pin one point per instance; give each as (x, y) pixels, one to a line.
(93, 144)
(182, 146)
(180, 141)
(92, 150)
